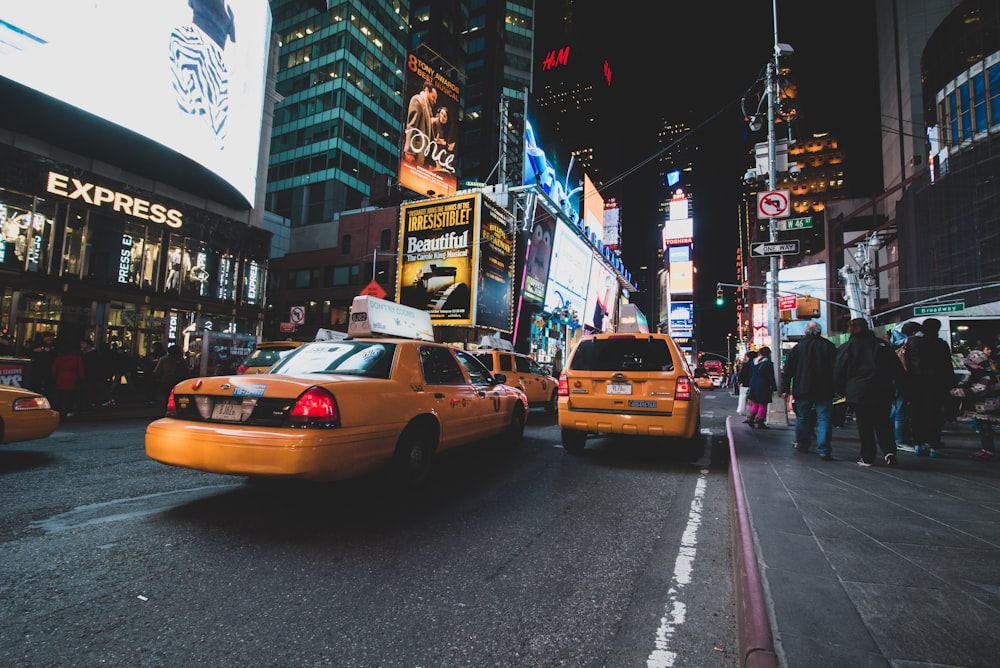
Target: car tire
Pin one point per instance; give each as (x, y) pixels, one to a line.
(574, 441)
(552, 407)
(514, 433)
(411, 462)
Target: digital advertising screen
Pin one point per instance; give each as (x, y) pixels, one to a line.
(429, 154)
(807, 281)
(602, 297)
(593, 209)
(681, 278)
(494, 287)
(569, 274)
(188, 75)
(682, 319)
(539, 255)
(549, 165)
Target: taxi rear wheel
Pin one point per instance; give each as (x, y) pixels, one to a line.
(515, 430)
(411, 462)
(573, 441)
(553, 405)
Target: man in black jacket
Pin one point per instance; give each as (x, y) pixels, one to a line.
(808, 378)
(865, 372)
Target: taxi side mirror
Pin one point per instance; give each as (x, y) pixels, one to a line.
(499, 379)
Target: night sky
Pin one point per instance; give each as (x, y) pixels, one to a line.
(682, 60)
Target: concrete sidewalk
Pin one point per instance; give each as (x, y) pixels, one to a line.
(842, 565)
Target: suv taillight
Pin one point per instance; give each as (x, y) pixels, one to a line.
(315, 408)
(241, 369)
(682, 391)
(563, 386)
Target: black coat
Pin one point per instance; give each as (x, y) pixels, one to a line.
(865, 370)
(762, 385)
(808, 370)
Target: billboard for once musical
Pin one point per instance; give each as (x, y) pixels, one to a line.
(429, 153)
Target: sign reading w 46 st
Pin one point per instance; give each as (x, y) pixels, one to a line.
(768, 248)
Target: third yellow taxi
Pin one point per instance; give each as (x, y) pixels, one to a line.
(25, 415)
(385, 397)
(632, 383)
(523, 372)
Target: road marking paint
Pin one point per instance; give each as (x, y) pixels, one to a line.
(675, 610)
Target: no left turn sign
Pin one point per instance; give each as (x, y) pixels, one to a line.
(297, 316)
(773, 204)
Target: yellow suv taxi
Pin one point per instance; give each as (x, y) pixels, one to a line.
(522, 372)
(628, 383)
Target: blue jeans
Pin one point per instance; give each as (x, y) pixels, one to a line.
(810, 414)
(901, 420)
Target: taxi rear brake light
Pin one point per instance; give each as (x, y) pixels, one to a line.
(315, 408)
(171, 405)
(682, 391)
(31, 404)
(563, 387)
(241, 369)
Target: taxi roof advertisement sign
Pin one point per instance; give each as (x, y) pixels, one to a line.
(456, 261)
(430, 131)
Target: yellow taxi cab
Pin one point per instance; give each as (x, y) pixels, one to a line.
(385, 397)
(498, 355)
(632, 383)
(265, 354)
(703, 380)
(25, 415)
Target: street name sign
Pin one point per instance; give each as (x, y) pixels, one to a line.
(768, 248)
(795, 224)
(938, 308)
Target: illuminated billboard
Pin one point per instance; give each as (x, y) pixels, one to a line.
(682, 319)
(544, 159)
(457, 260)
(569, 273)
(429, 154)
(602, 297)
(681, 278)
(678, 231)
(593, 210)
(539, 256)
(188, 75)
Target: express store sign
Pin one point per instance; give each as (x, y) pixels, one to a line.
(100, 196)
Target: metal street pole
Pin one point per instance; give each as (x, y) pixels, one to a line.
(772, 184)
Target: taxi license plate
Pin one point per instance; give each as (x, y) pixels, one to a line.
(619, 388)
(230, 411)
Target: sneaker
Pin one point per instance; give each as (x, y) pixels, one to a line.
(921, 450)
(827, 457)
(862, 462)
(761, 425)
(798, 450)
(983, 455)
(905, 447)
(890, 459)
(935, 452)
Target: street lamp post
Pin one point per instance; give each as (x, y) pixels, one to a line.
(772, 184)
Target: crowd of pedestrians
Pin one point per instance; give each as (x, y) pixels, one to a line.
(902, 389)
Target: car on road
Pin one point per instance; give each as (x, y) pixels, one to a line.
(265, 354)
(385, 397)
(703, 380)
(630, 383)
(25, 415)
(541, 388)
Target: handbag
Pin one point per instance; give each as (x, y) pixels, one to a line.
(741, 404)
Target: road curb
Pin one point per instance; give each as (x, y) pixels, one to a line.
(753, 627)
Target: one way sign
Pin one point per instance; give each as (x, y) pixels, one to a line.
(768, 248)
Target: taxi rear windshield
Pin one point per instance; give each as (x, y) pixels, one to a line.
(626, 354)
(356, 358)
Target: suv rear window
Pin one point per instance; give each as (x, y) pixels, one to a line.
(624, 354)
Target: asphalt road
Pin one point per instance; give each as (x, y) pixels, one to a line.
(619, 557)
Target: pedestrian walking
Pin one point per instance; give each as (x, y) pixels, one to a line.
(94, 388)
(864, 372)
(67, 375)
(743, 405)
(901, 410)
(929, 377)
(980, 396)
(762, 388)
(808, 379)
(170, 370)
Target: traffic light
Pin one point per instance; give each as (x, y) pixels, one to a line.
(719, 299)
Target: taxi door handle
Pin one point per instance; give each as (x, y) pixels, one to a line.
(439, 395)
(481, 393)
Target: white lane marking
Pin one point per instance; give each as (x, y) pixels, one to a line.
(675, 610)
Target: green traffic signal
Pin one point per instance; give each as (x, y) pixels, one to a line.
(719, 299)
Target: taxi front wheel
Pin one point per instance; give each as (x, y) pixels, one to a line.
(573, 441)
(553, 406)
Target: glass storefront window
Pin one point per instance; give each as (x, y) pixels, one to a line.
(74, 243)
(15, 225)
